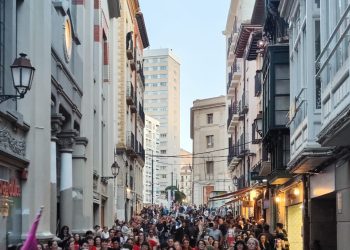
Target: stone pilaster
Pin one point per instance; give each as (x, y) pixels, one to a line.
(56, 124)
(66, 140)
(82, 188)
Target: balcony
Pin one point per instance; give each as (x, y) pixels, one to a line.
(231, 43)
(258, 76)
(141, 114)
(243, 147)
(130, 94)
(140, 73)
(141, 154)
(233, 78)
(233, 117)
(129, 46)
(232, 159)
(244, 104)
(132, 65)
(131, 148)
(133, 107)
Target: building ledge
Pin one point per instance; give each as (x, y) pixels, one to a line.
(309, 159)
(337, 129)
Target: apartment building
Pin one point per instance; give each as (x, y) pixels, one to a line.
(151, 191)
(130, 116)
(162, 102)
(319, 86)
(244, 103)
(209, 136)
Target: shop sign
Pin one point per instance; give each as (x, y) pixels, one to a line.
(248, 203)
(10, 188)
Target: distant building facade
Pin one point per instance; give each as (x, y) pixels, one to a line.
(151, 169)
(162, 102)
(209, 135)
(185, 183)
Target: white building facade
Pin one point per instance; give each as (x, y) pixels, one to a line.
(243, 97)
(151, 168)
(162, 102)
(319, 126)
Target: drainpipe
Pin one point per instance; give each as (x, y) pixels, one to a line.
(244, 145)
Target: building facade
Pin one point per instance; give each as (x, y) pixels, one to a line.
(162, 102)
(130, 116)
(185, 183)
(151, 191)
(244, 104)
(318, 125)
(209, 135)
(58, 143)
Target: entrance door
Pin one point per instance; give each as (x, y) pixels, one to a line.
(103, 207)
(323, 221)
(294, 226)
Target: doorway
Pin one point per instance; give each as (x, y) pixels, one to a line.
(323, 221)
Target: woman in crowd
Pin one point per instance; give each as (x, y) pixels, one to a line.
(216, 245)
(53, 245)
(98, 241)
(263, 242)
(253, 244)
(177, 245)
(200, 245)
(240, 245)
(186, 244)
(279, 244)
(210, 240)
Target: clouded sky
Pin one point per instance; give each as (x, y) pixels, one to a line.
(193, 30)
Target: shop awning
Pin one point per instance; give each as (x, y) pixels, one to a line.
(232, 201)
(231, 195)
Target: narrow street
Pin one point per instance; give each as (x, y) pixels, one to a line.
(139, 124)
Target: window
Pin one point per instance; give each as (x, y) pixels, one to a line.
(163, 152)
(210, 141)
(210, 118)
(281, 93)
(210, 167)
(163, 135)
(164, 176)
(163, 67)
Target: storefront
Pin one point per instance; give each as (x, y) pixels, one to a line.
(288, 199)
(10, 207)
(13, 171)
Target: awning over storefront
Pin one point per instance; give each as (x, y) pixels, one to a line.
(231, 195)
(232, 201)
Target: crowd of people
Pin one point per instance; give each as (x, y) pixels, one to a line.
(182, 228)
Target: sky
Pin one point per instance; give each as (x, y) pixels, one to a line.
(193, 30)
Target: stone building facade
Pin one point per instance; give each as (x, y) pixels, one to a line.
(58, 143)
